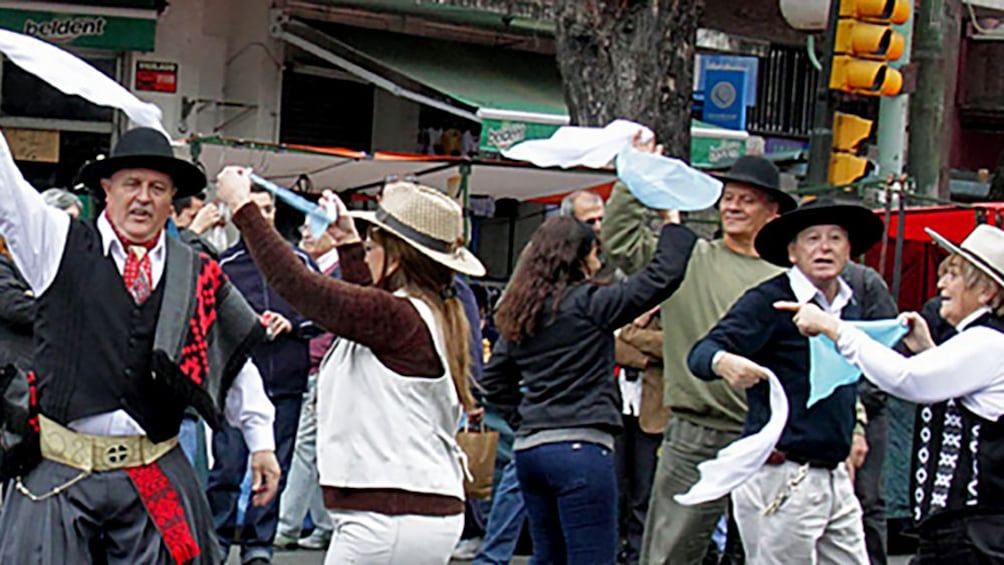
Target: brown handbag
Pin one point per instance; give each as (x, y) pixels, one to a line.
(480, 445)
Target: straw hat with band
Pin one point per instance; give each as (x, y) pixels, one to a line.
(760, 173)
(864, 228)
(144, 148)
(983, 247)
(429, 221)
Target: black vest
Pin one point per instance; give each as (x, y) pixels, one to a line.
(958, 463)
(93, 343)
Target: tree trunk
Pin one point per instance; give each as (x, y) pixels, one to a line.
(630, 59)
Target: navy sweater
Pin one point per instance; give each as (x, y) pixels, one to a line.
(754, 329)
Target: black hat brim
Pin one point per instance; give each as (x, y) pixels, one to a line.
(188, 179)
(785, 202)
(864, 229)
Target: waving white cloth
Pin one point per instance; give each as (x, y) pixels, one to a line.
(574, 146)
(71, 75)
(741, 459)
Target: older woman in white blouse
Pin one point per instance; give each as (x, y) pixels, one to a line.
(957, 483)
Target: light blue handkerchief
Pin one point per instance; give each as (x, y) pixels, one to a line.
(664, 183)
(318, 219)
(828, 369)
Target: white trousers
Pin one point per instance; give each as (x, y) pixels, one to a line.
(819, 523)
(371, 538)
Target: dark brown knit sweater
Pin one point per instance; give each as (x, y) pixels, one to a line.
(353, 309)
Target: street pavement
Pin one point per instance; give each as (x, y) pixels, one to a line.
(317, 558)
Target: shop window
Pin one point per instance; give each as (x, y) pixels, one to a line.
(26, 96)
(443, 133)
(326, 112)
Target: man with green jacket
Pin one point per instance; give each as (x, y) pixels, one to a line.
(705, 416)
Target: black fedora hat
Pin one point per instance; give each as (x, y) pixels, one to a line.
(864, 228)
(144, 148)
(760, 173)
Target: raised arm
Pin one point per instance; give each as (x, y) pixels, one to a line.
(612, 307)
(627, 241)
(35, 233)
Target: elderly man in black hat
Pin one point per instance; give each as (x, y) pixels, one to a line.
(800, 507)
(705, 417)
(132, 327)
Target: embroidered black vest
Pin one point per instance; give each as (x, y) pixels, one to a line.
(93, 344)
(958, 463)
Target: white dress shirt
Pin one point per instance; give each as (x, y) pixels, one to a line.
(806, 292)
(969, 366)
(36, 235)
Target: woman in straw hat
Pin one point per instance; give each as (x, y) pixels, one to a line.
(555, 360)
(957, 482)
(395, 381)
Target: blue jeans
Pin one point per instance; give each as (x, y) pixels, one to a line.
(505, 521)
(230, 461)
(570, 491)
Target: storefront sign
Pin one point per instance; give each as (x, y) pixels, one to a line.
(725, 98)
(715, 153)
(154, 76)
(498, 135)
(83, 30)
(41, 146)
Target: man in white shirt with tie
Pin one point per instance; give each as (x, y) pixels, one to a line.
(131, 328)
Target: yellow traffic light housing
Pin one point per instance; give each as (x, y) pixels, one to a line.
(886, 11)
(848, 133)
(870, 78)
(870, 41)
(864, 42)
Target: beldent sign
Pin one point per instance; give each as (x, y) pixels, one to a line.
(65, 30)
(83, 30)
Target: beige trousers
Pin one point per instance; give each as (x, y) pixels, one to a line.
(819, 523)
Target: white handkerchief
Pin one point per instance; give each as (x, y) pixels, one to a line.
(738, 461)
(574, 146)
(72, 75)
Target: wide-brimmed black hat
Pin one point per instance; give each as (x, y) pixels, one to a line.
(864, 228)
(760, 173)
(144, 148)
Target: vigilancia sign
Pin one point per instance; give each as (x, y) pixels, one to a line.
(83, 30)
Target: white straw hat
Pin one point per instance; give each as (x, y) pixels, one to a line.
(983, 247)
(429, 221)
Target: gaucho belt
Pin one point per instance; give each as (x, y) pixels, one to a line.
(98, 453)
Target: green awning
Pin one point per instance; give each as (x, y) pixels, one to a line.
(474, 75)
(515, 95)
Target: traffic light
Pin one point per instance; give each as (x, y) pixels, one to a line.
(848, 133)
(864, 45)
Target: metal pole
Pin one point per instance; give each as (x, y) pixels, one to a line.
(883, 255)
(465, 199)
(821, 138)
(893, 112)
(897, 262)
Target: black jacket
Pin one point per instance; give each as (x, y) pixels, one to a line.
(285, 361)
(562, 376)
(754, 329)
(17, 315)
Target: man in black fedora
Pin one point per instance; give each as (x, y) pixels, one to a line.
(704, 417)
(799, 507)
(131, 328)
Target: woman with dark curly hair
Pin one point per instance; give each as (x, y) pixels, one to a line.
(555, 361)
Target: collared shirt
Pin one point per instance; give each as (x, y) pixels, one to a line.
(969, 366)
(806, 292)
(328, 261)
(36, 234)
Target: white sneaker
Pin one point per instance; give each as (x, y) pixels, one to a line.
(317, 540)
(467, 548)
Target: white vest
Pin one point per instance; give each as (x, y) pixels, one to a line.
(379, 429)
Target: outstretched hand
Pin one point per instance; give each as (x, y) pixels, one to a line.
(811, 320)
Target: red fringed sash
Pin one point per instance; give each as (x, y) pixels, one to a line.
(161, 501)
